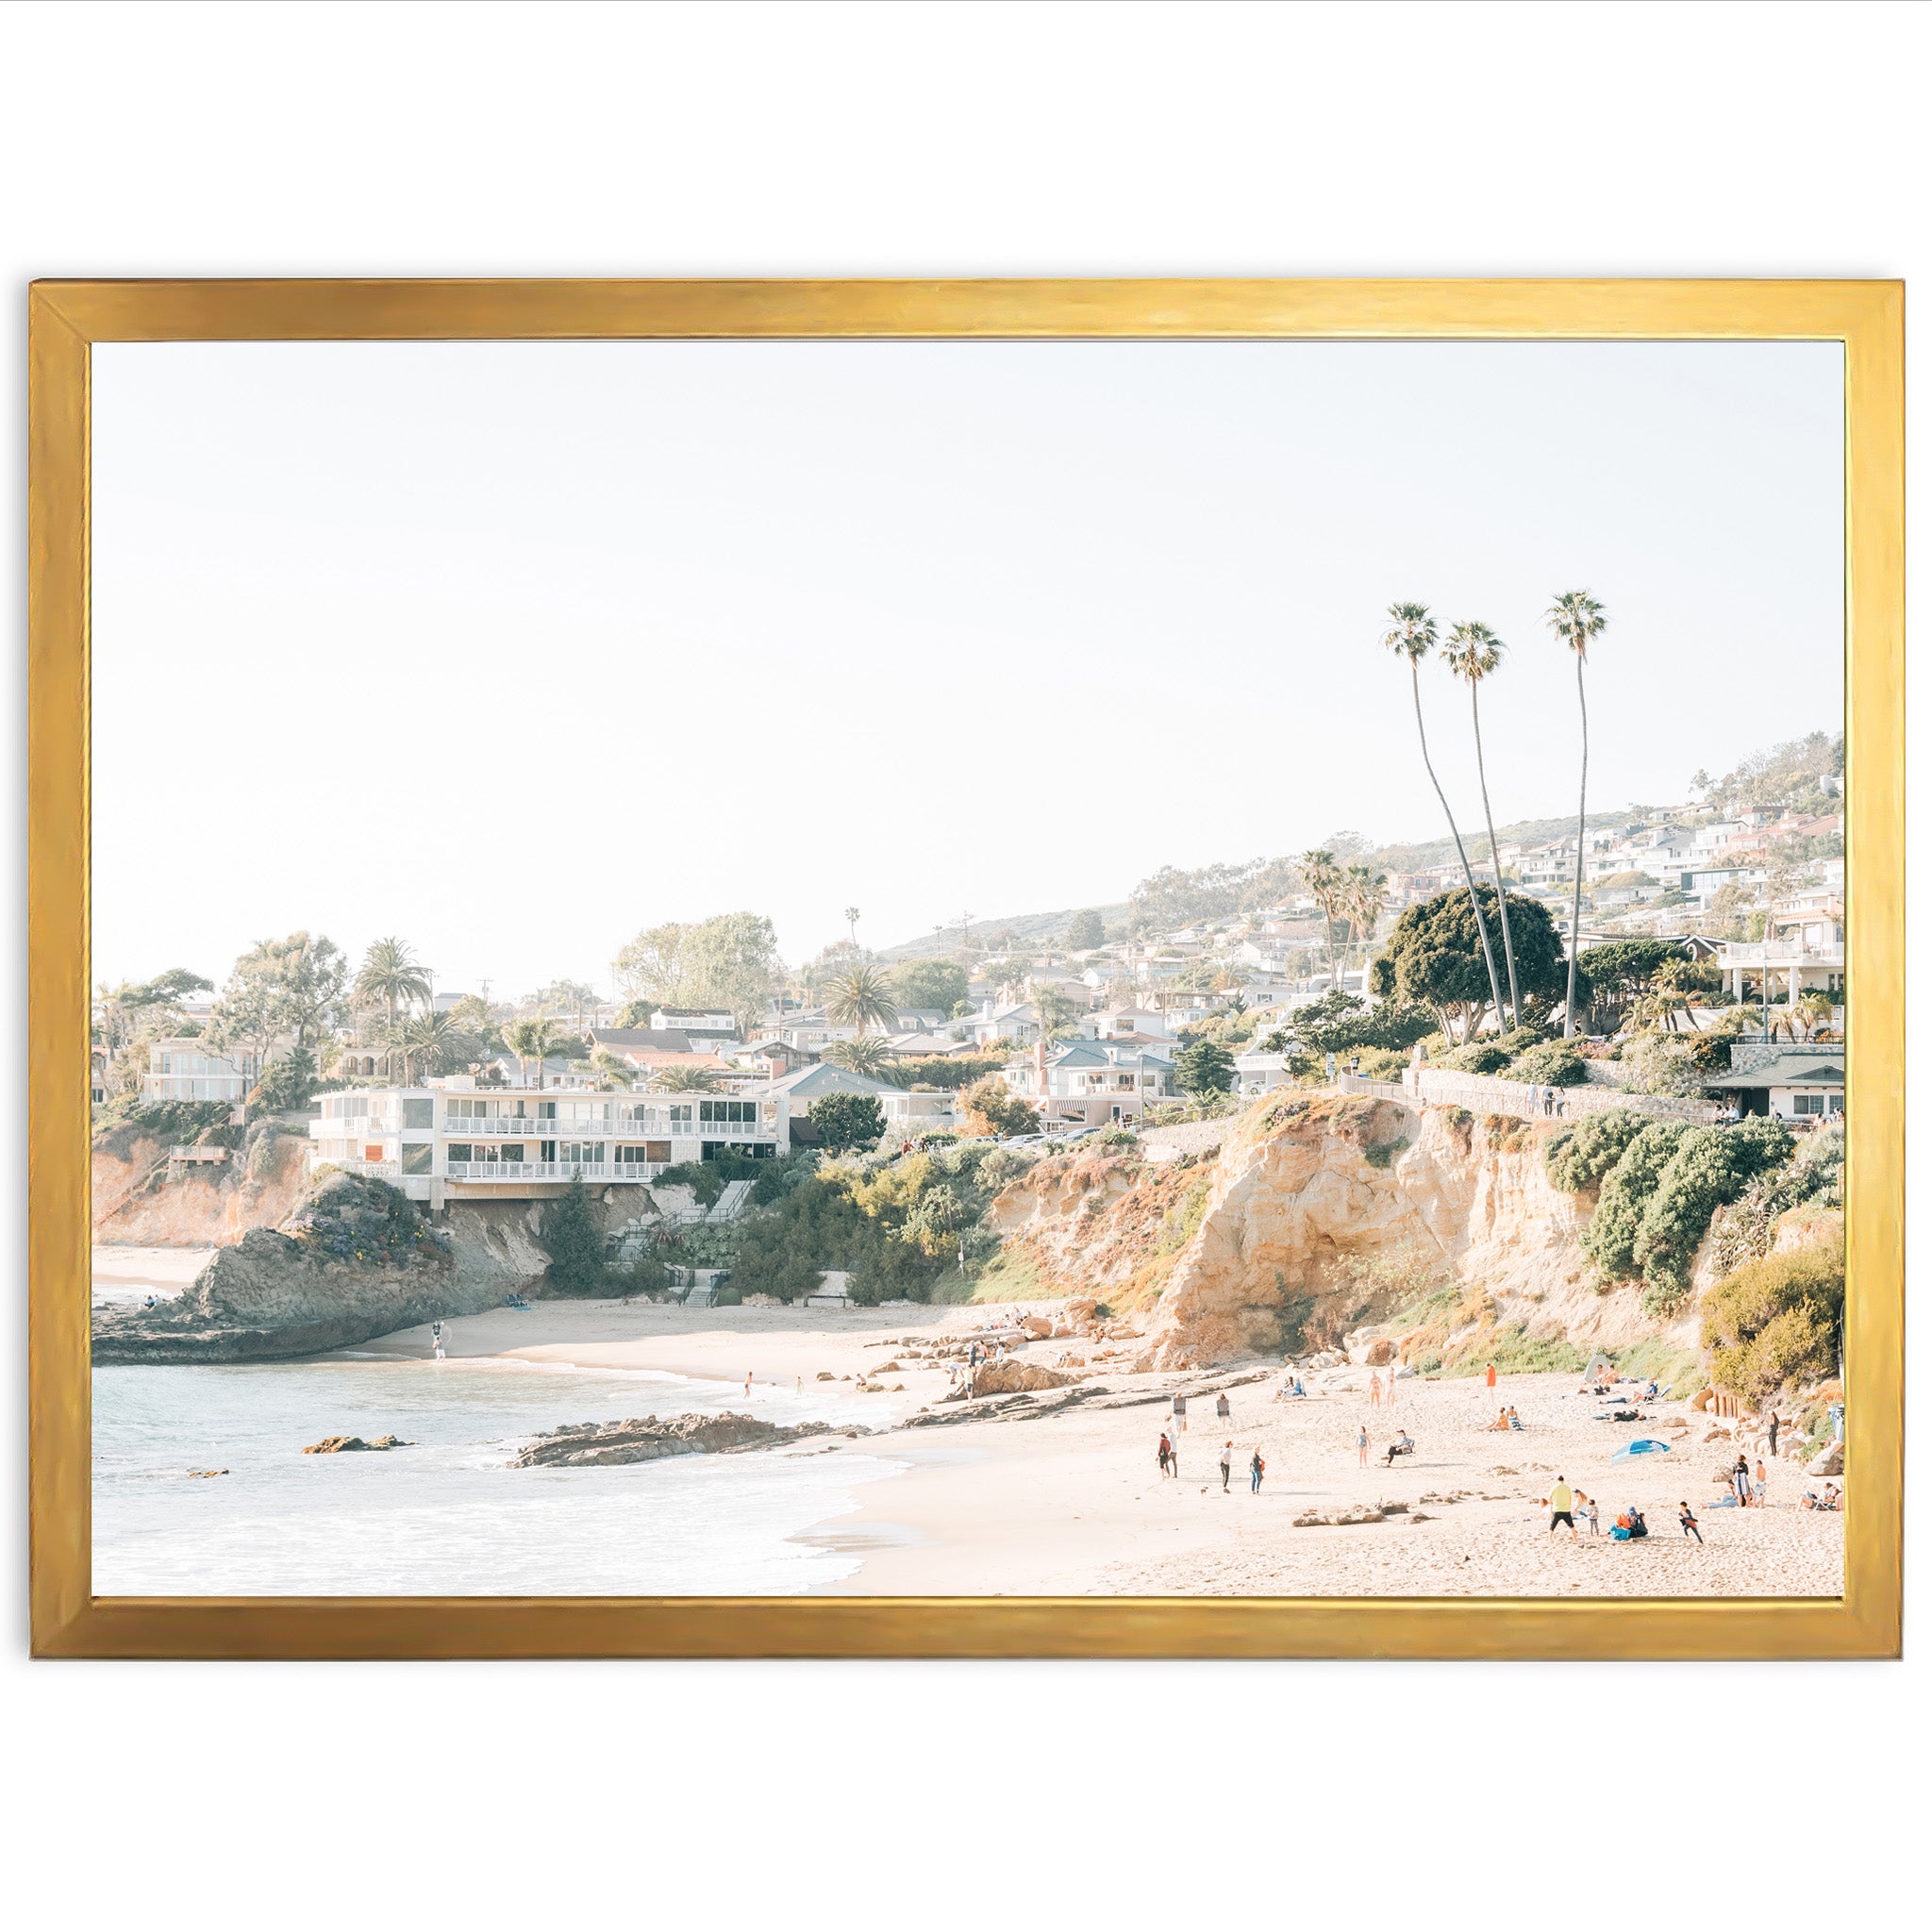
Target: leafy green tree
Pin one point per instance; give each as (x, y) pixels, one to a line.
(1618, 971)
(1578, 619)
(1342, 1023)
(1474, 653)
(995, 1108)
(1085, 931)
(1058, 1010)
(571, 1237)
(1412, 636)
(1434, 958)
(935, 984)
(844, 1121)
(1203, 1069)
(728, 962)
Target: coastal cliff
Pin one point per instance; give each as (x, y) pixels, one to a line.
(354, 1259)
(1317, 1217)
(138, 1201)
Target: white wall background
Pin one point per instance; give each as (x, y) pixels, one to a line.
(1738, 140)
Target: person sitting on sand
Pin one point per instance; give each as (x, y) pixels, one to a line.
(1401, 1446)
(1298, 1388)
(1514, 1420)
(1502, 1420)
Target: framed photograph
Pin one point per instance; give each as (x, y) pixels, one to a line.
(1108, 969)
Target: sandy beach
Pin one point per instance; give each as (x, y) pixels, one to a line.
(1074, 1504)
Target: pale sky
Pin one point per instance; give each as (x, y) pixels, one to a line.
(514, 649)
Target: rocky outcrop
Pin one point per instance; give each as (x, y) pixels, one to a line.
(1013, 1376)
(341, 1445)
(645, 1439)
(353, 1261)
(1319, 1214)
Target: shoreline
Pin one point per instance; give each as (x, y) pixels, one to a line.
(1072, 1503)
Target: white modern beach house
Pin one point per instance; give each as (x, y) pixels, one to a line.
(452, 1139)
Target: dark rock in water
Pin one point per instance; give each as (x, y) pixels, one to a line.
(336, 1446)
(645, 1439)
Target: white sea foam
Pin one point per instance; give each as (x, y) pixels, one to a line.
(446, 1516)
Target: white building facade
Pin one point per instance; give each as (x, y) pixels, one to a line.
(456, 1140)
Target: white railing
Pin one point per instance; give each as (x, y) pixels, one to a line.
(545, 1127)
(593, 1173)
(1480, 1093)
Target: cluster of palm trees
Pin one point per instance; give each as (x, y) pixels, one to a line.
(861, 996)
(1349, 895)
(1472, 652)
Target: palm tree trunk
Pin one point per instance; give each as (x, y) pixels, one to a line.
(1495, 859)
(1576, 900)
(1482, 932)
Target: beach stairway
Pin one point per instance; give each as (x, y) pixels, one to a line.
(730, 1204)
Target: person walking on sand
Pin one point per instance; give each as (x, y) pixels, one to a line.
(1226, 1465)
(1391, 1390)
(1771, 1425)
(1361, 1448)
(747, 1385)
(1221, 1407)
(1374, 1389)
(1590, 1504)
(1758, 1486)
(436, 1339)
(1180, 1411)
(1740, 1482)
(1562, 1502)
(1688, 1521)
(1257, 1469)
(1165, 1452)
(1490, 1378)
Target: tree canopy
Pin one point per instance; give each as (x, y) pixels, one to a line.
(1085, 931)
(1203, 1068)
(844, 1121)
(1434, 958)
(935, 983)
(729, 962)
(293, 985)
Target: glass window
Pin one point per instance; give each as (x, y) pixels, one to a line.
(416, 1156)
(513, 1152)
(462, 1151)
(419, 1113)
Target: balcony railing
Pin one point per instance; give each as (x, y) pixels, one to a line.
(382, 1170)
(588, 1172)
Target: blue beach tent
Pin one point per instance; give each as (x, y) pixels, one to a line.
(1644, 1445)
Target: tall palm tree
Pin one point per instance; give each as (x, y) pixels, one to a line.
(860, 997)
(1412, 636)
(1322, 879)
(392, 977)
(1472, 652)
(1363, 893)
(1576, 617)
(852, 926)
(428, 1041)
(533, 1040)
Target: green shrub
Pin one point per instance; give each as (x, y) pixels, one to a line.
(1774, 1323)
(1745, 1231)
(704, 1179)
(844, 1121)
(1579, 1156)
(1710, 1168)
(1384, 1154)
(1610, 1238)
(1479, 1056)
(1550, 1065)
(1515, 1352)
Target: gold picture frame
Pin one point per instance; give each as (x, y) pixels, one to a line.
(66, 318)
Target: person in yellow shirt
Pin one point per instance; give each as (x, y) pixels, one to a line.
(1562, 1505)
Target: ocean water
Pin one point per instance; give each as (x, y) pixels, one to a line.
(446, 1516)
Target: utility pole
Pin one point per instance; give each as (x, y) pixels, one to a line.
(965, 932)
